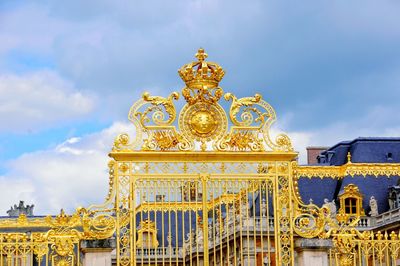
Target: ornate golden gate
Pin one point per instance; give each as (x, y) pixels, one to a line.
(200, 187)
(208, 190)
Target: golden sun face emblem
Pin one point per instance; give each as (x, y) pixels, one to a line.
(203, 122)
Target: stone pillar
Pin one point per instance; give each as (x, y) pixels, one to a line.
(97, 252)
(248, 252)
(249, 259)
(97, 257)
(312, 252)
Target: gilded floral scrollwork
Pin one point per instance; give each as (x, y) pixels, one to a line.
(159, 107)
(165, 140)
(63, 242)
(282, 142)
(350, 245)
(251, 118)
(345, 245)
(40, 249)
(150, 114)
(204, 94)
(349, 169)
(97, 224)
(309, 221)
(242, 141)
(122, 143)
(246, 114)
(154, 115)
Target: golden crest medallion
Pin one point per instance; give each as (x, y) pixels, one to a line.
(203, 122)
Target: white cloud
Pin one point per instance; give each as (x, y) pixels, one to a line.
(380, 121)
(13, 190)
(29, 27)
(72, 174)
(33, 101)
(118, 48)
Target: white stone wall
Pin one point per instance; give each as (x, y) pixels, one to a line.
(97, 259)
(312, 258)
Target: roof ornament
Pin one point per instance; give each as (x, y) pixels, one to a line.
(16, 211)
(348, 157)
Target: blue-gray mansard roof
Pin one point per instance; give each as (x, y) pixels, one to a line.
(362, 150)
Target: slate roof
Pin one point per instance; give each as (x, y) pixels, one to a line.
(362, 150)
(173, 224)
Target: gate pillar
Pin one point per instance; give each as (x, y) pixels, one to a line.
(283, 215)
(204, 178)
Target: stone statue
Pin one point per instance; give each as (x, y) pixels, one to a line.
(392, 199)
(210, 231)
(373, 204)
(263, 208)
(189, 241)
(216, 224)
(29, 211)
(231, 214)
(21, 209)
(191, 237)
(331, 205)
(243, 209)
(199, 236)
(169, 240)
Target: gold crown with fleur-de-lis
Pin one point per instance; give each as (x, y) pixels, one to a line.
(201, 74)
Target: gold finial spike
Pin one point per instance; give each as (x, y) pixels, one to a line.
(348, 157)
(201, 55)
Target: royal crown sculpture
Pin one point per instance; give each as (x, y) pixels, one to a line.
(202, 123)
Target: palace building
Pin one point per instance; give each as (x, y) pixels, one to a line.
(209, 185)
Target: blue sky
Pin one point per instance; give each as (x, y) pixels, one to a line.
(69, 73)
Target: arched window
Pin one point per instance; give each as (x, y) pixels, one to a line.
(350, 205)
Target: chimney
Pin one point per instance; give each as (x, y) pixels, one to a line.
(313, 152)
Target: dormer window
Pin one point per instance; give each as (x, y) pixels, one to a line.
(321, 158)
(147, 235)
(394, 197)
(351, 201)
(330, 155)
